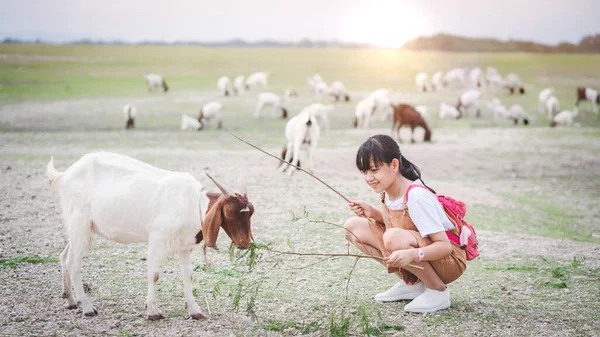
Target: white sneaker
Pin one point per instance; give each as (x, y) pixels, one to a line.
(430, 301)
(401, 291)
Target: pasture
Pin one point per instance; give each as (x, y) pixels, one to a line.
(531, 192)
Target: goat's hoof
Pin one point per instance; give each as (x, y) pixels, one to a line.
(64, 294)
(72, 306)
(92, 313)
(155, 317)
(197, 316)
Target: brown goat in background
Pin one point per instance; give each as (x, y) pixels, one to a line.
(406, 115)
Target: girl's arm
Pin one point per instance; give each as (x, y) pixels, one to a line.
(362, 209)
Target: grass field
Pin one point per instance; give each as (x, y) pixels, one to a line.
(531, 193)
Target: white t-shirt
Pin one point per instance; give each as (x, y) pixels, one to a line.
(425, 210)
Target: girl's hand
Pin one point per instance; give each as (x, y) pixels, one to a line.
(361, 208)
(401, 258)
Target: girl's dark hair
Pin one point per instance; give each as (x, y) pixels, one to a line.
(383, 149)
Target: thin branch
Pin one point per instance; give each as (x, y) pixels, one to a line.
(350, 275)
(323, 254)
(286, 163)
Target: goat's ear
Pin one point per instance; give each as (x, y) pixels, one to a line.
(212, 224)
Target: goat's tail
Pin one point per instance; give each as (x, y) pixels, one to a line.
(51, 172)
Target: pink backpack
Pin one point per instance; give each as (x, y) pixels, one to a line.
(463, 233)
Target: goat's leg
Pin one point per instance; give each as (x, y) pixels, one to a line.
(156, 253)
(66, 279)
(186, 270)
(259, 107)
(296, 155)
(79, 241)
(288, 157)
(412, 134)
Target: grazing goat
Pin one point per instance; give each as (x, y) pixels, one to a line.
(490, 72)
(406, 115)
(211, 111)
(551, 106)
(513, 83)
(269, 98)
(302, 133)
(448, 112)
(338, 90)
(239, 87)
(588, 94)
(255, 79)
(313, 80)
(437, 81)
(129, 114)
(224, 85)
(469, 100)
(156, 81)
(363, 112)
(128, 201)
(455, 75)
(543, 97)
(475, 76)
(190, 123)
(422, 81)
(564, 118)
(383, 103)
(517, 113)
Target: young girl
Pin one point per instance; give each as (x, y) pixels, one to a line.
(410, 230)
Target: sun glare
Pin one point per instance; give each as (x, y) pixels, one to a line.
(386, 24)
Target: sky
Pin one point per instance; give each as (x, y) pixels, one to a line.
(385, 23)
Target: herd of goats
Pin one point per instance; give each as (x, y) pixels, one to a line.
(303, 130)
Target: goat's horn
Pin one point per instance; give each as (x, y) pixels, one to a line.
(226, 192)
(242, 183)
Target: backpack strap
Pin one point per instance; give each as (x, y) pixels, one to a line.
(451, 236)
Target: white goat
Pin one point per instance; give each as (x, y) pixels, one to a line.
(448, 112)
(224, 85)
(551, 105)
(239, 87)
(543, 97)
(517, 113)
(302, 133)
(189, 123)
(590, 95)
(383, 103)
(269, 98)
(513, 83)
(363, 112)
(475, 77)
(211, 111)
(490, 72)
(255, 79)
(129, 114)
(128, 201)
(469, 100)
(455, 75)
(437, 81)
(422, 81)
(338, 90)
(322, 89)
(313, 80)
(156, 81)
(564, 118)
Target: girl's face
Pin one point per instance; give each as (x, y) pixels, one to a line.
(379, 178)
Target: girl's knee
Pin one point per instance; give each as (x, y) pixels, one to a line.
(396, 238)
(352, 226)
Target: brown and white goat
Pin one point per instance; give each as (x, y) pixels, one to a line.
(406, 115)
(590, 95)
(128, 201)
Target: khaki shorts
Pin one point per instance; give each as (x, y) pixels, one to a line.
(448, 268)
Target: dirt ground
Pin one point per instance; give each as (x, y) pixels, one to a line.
(491, 169)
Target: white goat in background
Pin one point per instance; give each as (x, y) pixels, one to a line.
(551, 105)
(302, 133)
(255, 79)
(239, 87)
(422, 81)
(156, 81)
(190, 123)
(224, 85)
(543, 97)
(211, 111)
(269, 98)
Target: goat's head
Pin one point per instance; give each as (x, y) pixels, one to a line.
(232, 211)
